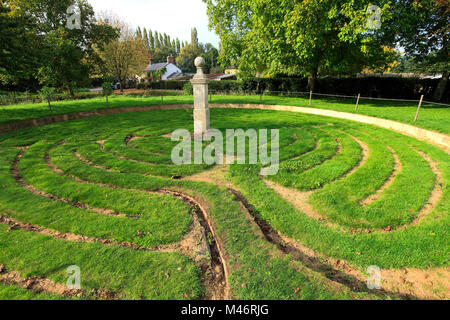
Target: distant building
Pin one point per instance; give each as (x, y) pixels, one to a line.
(220, 77)
(171, 70)
(402, 75)
(232, 70)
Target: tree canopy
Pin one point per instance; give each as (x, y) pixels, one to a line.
(55, 54)
(327, 36)
(297, 37)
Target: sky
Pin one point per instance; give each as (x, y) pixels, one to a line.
(174, 17)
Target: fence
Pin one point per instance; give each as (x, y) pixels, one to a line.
(311, 94)
(12, 98)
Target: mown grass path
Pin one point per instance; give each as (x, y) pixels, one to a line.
(109, 179)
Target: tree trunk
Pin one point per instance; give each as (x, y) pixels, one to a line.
(312, 82)
(49, 105)
(121, 86)
(440, 89)
(312, 79)
(72, 94)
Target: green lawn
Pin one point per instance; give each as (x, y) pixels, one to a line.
(431, 117)
(76, 165)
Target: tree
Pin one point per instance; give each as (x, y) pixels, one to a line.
(157, 43)
(210, 55)
(64, 66)
(151, 39)
(107, 89)
(194, 38)
(162, 43)
(63, 57)
(178, 45)
(296, 37)
(17, 61)
(47, 94)
(124, 57)
(146, 40)
(139, 32)
(422, 28)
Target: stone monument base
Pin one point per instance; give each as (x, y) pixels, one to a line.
(201, 121)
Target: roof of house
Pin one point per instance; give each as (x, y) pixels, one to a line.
(156, 66)
(174, 75)
(220, 76)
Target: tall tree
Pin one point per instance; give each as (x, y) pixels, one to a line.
(173, 46)
(146, 40)
(151, 39)
(139, 32)
(178, 45)
(162, 43)
(157, 43)
(194, 38)
(422, 28)
(66, 52)
(126, 56)
(17, 61)
(296, 37)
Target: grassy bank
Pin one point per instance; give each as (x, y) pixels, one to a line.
(431, 117)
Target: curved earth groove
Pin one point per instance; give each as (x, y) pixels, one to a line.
(218, 264)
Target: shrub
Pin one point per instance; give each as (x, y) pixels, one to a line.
(107, 90)
(376, 87)
(47, 94)
(188, 88)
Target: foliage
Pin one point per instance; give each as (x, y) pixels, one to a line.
(188, 89)
(16, 60)
(107, 89)
(422, 28)
(296, 37)
(62, 57)
(185, 60)
(164, 85)
(124, 57)
(47, 94)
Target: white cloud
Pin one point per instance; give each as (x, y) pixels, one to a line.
(174, 17)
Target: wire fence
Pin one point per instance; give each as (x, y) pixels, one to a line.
(311, 94)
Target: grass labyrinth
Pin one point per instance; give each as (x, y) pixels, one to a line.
(101, 193)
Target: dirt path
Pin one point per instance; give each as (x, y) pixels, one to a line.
(217, 283)
(405, 283)
(45, 285)
(16, 174)
(387, 183)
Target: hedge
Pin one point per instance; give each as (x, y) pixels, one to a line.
(376, 87)
(162, 85)
(11, 99)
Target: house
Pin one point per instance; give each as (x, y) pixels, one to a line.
(170, 70)
(220, 77)
(232, 70)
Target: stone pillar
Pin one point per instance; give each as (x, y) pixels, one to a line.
(201, 111)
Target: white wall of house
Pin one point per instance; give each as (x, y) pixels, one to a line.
(171, 68)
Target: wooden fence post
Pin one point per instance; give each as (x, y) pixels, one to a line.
(310, 97)
(357, 102)
(418, 108)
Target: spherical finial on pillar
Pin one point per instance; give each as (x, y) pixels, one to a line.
(199, 63)
(201, 111)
